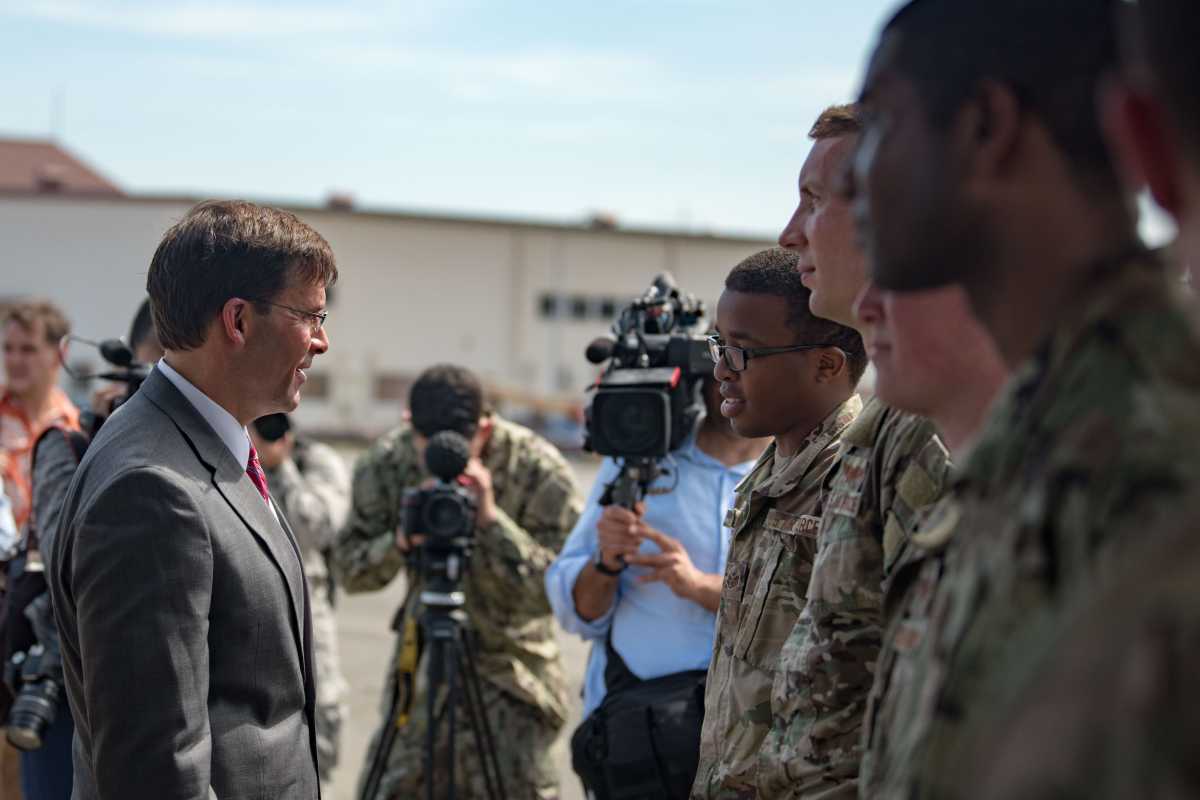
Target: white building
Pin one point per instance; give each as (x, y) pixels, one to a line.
(515, 301)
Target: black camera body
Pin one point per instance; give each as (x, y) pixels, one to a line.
(36, 677)
(647, 401)
(444, 514)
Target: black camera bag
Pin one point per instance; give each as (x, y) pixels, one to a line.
(643, 741)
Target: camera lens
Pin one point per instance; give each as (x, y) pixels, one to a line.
(446, 516)
(635, 423)
(32, 713)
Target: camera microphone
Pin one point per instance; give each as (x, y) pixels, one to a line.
(447, 454)
(600, 350)
(116, 352)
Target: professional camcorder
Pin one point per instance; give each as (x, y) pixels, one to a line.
(647, 401)
(445, 514)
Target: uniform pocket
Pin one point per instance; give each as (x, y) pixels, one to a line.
(777, 585)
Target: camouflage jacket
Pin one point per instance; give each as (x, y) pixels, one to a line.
(892, 464)
(1092, 442)
(313, 490)
(537, 505)
(773, 526)
(1113, 710)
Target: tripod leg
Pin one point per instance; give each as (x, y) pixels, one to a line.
(486, 742)
(434, 669)
(452, 701)
(476, 716)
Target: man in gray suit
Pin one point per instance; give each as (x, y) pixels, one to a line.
(177, 584)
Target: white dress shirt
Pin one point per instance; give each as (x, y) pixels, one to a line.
(232, 433)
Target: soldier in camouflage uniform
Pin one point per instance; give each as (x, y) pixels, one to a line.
(891, 464)
(310, 483)
(805, 399)
(1114, 709)
(1094, 439)
(528, 505)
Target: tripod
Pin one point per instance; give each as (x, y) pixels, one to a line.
(451, 663)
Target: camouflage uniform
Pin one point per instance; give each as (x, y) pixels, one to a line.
(313, 489)
(891, 465)
(773, 526)
(510, 618)
(1092, 442)
(1114, 708)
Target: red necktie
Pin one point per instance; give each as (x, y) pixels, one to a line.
(257, 476)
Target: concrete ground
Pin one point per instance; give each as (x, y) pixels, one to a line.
(366, 645)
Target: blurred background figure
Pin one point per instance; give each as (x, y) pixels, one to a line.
(30, 402)
(311, 484)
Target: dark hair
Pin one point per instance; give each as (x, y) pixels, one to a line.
(1170, 31)
(446, 397)
(1051, 54)
(226, 249)
(142, 327)
(835, 121)
(773, 272)
(55, 324)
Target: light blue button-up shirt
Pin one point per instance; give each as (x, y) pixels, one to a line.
(655, 631)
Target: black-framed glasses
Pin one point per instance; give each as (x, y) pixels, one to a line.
(316, 318)
(736, 358)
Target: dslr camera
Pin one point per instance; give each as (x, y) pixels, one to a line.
(647, 400)
(36, 678)
(445, 514)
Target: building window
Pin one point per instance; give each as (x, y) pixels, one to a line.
(549, 306)
(392, 387)
(581, 308)
(317, 386)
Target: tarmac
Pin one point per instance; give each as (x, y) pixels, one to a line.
(366, 646)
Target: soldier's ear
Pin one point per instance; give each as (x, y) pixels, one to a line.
(831, 364)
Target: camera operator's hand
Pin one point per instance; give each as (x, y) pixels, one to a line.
(619, 532)
(478, 479)
(674, 567)
(105, 399)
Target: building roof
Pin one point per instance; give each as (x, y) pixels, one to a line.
(34, 166)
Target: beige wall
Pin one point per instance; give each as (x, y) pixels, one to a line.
(413, 291)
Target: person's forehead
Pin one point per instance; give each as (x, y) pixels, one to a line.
(826, 159)
(17, 331)
(747, 315)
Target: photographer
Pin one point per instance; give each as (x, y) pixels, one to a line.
(312, 487)
(46, 768)
(527, 502)
(657, 617)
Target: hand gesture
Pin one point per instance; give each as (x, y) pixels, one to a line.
(673, 566)
(478, 479)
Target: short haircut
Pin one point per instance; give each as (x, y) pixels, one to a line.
(1052, 55)
(226, 249)
(446, 397)
(142, 328)
(55, 324)
(773, 272)
(835, 121)
(1171, 48)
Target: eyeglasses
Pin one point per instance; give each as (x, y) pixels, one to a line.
(736, 358)
(316, 319)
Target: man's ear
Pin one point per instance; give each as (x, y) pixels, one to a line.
(989, 130)
(234, 321)
(831, 365)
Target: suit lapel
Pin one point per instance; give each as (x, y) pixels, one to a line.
(231, 481)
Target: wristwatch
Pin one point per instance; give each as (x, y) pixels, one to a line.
(604, 569)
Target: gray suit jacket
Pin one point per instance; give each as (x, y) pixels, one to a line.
(183, 613)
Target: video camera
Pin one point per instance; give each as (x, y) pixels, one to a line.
(445, 514)
(647, 401)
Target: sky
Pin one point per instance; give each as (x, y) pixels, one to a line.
(684, 114)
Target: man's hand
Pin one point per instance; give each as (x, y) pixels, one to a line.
(478, 479)
(619, 534)
(672, 566)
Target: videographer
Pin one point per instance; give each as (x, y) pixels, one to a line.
(41, 719)
(657, 617)
(310, 483)
(527, 502)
